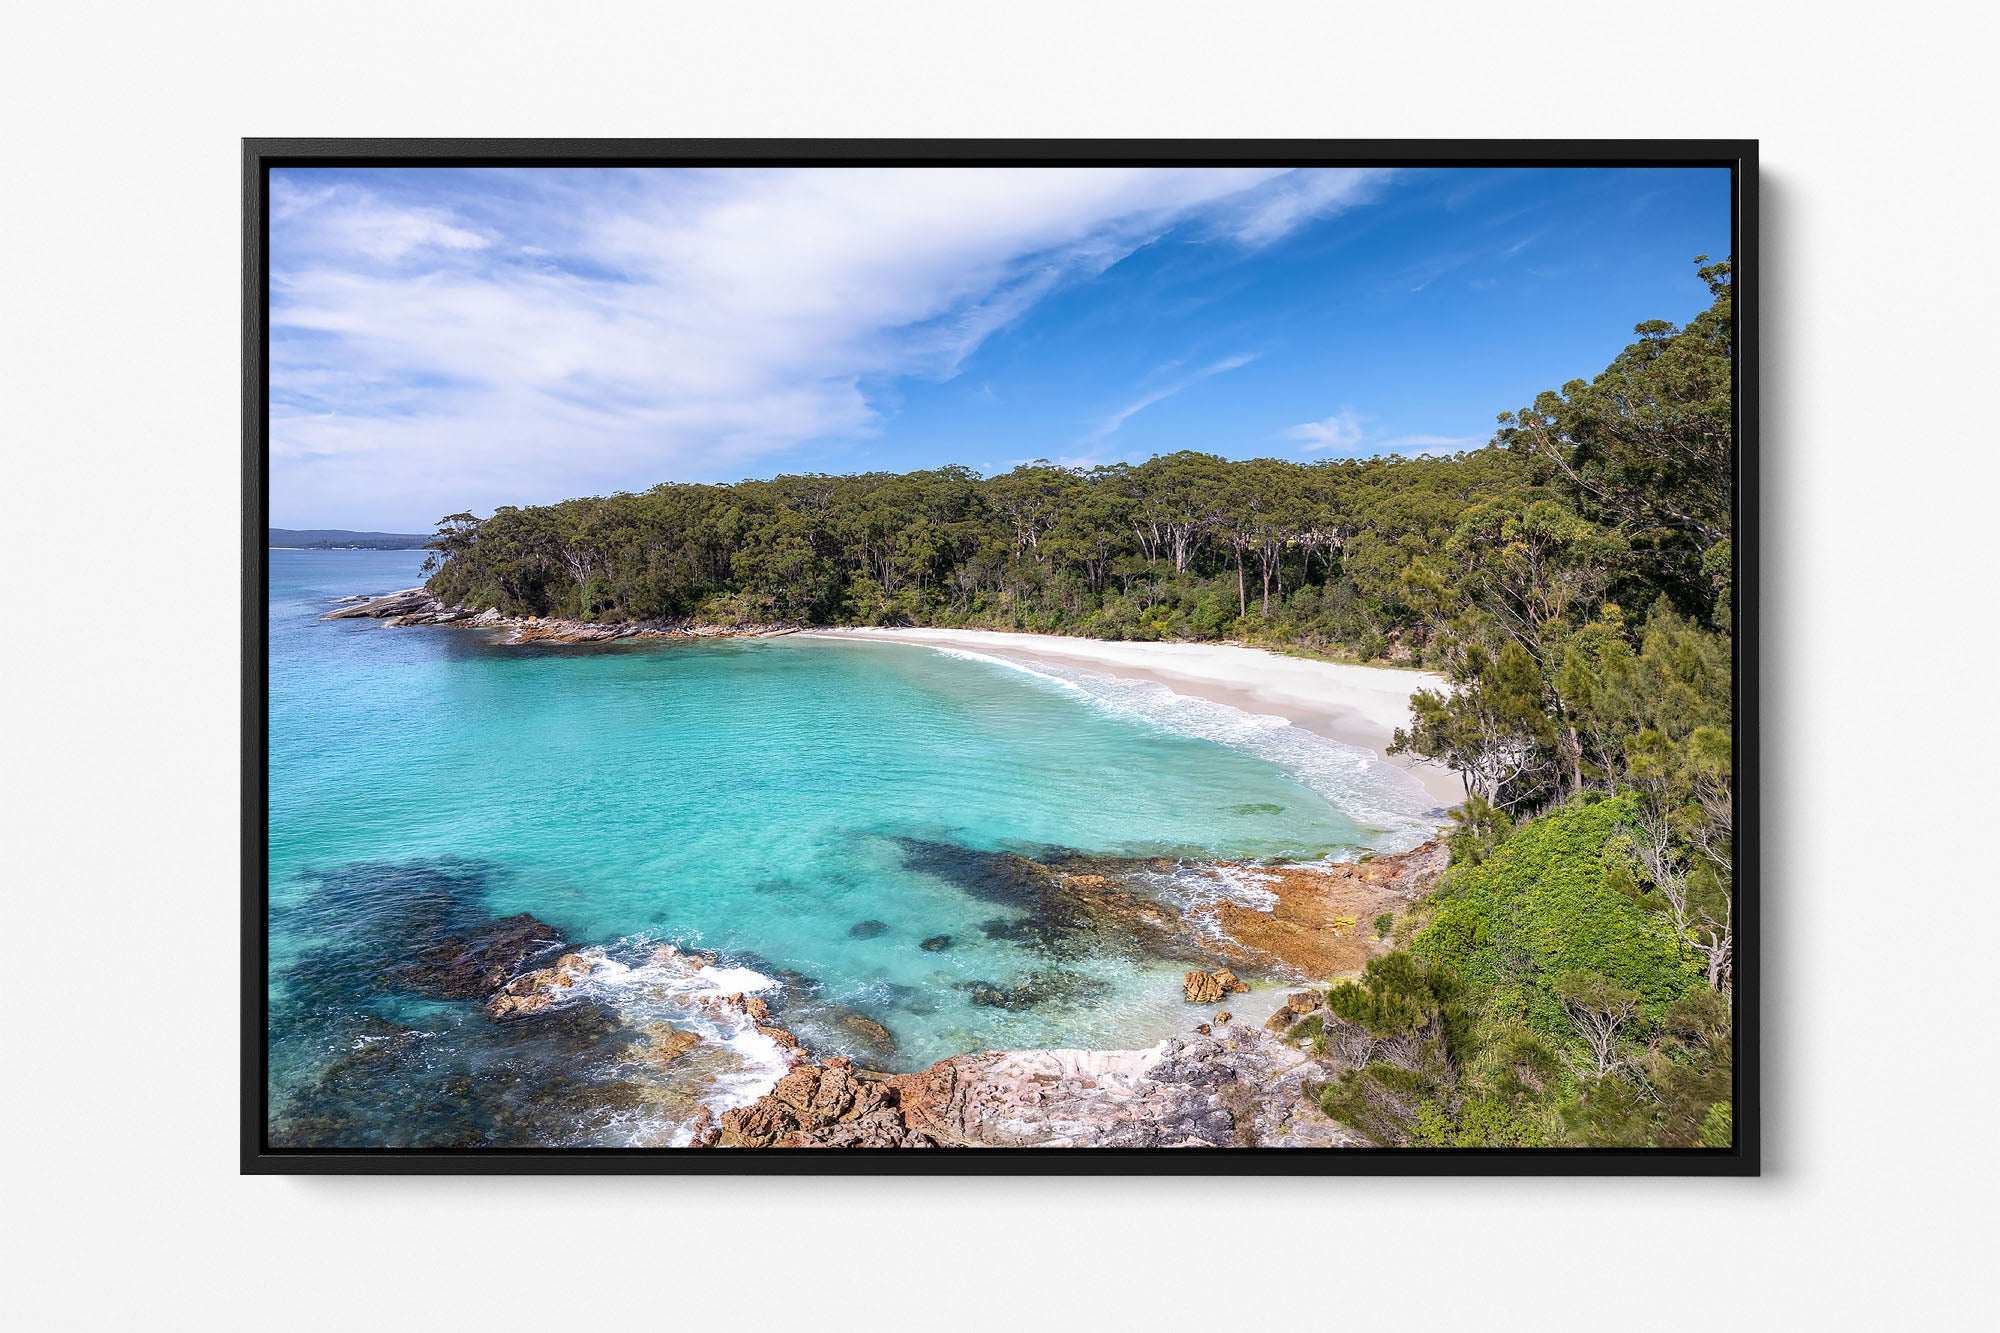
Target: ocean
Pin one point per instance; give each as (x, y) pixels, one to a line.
(832, 819)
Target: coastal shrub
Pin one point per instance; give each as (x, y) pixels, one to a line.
(1540, 1004)
(1608, 1112)
(1383, 924)
(1477, 828)
(1718, 1128)
(1545, 904)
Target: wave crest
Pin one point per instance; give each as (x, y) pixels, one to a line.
(1350, 778)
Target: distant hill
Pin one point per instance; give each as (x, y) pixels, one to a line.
(339, 539)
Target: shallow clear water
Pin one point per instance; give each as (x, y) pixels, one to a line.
(760, 798)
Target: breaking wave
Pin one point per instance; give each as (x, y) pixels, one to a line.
(649, 984)
(1351, 779)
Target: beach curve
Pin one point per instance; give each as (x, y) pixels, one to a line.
(1361, 706)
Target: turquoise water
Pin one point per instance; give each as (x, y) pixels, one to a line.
(810, 809)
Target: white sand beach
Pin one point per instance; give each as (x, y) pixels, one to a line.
(1356, 705)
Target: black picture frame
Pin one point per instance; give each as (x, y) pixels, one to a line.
(261, 155)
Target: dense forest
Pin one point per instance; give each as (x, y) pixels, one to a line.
(1570, 981)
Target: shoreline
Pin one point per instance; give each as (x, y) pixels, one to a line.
(1354, 705)
(1359, 706)
(1247, 1078)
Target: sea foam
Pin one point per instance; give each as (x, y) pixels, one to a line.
(645, 983)
(1351, 779)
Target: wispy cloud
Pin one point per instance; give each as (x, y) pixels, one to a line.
(1342, 430)
(459, 338)
(1263, 215)
(1109, 426)
(1346, 433)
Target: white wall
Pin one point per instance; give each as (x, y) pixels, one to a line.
(119, 369)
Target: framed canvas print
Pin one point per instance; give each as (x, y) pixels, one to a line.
(1113, 657)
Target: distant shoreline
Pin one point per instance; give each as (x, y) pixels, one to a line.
(342, 539)
(1355, 705)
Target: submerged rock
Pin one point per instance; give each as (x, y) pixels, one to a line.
(473, 966)
(936, 944)
(664, 1044)
(869, 1030)
(1046, 987)
(867, 930)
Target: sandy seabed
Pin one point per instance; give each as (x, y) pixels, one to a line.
(1356, 705)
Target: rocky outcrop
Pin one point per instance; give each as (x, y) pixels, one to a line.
(1317, 927)
(416, 606)
(1305, 920)
(664, 1043)
(819, 1106)
(532, 992)
(1207, 988)
(1202, 988)
(410, 601)
(1244, 1088)
(1298, 1006)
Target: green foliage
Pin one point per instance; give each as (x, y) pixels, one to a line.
(1383, 923)
(1184, 546)
(1647, 446)
(1477, 828)
(1718, 1129)
(1543, 1004)
(1547, 903)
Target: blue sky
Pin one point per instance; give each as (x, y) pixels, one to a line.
(459, 339)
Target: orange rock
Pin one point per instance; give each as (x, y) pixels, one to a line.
(1201, 988)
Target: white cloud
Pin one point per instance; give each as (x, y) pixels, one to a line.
(476, 338)
(344, 219)
(1345, 432)
(1297, 197)
(1109, 426)
(1342, 431)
